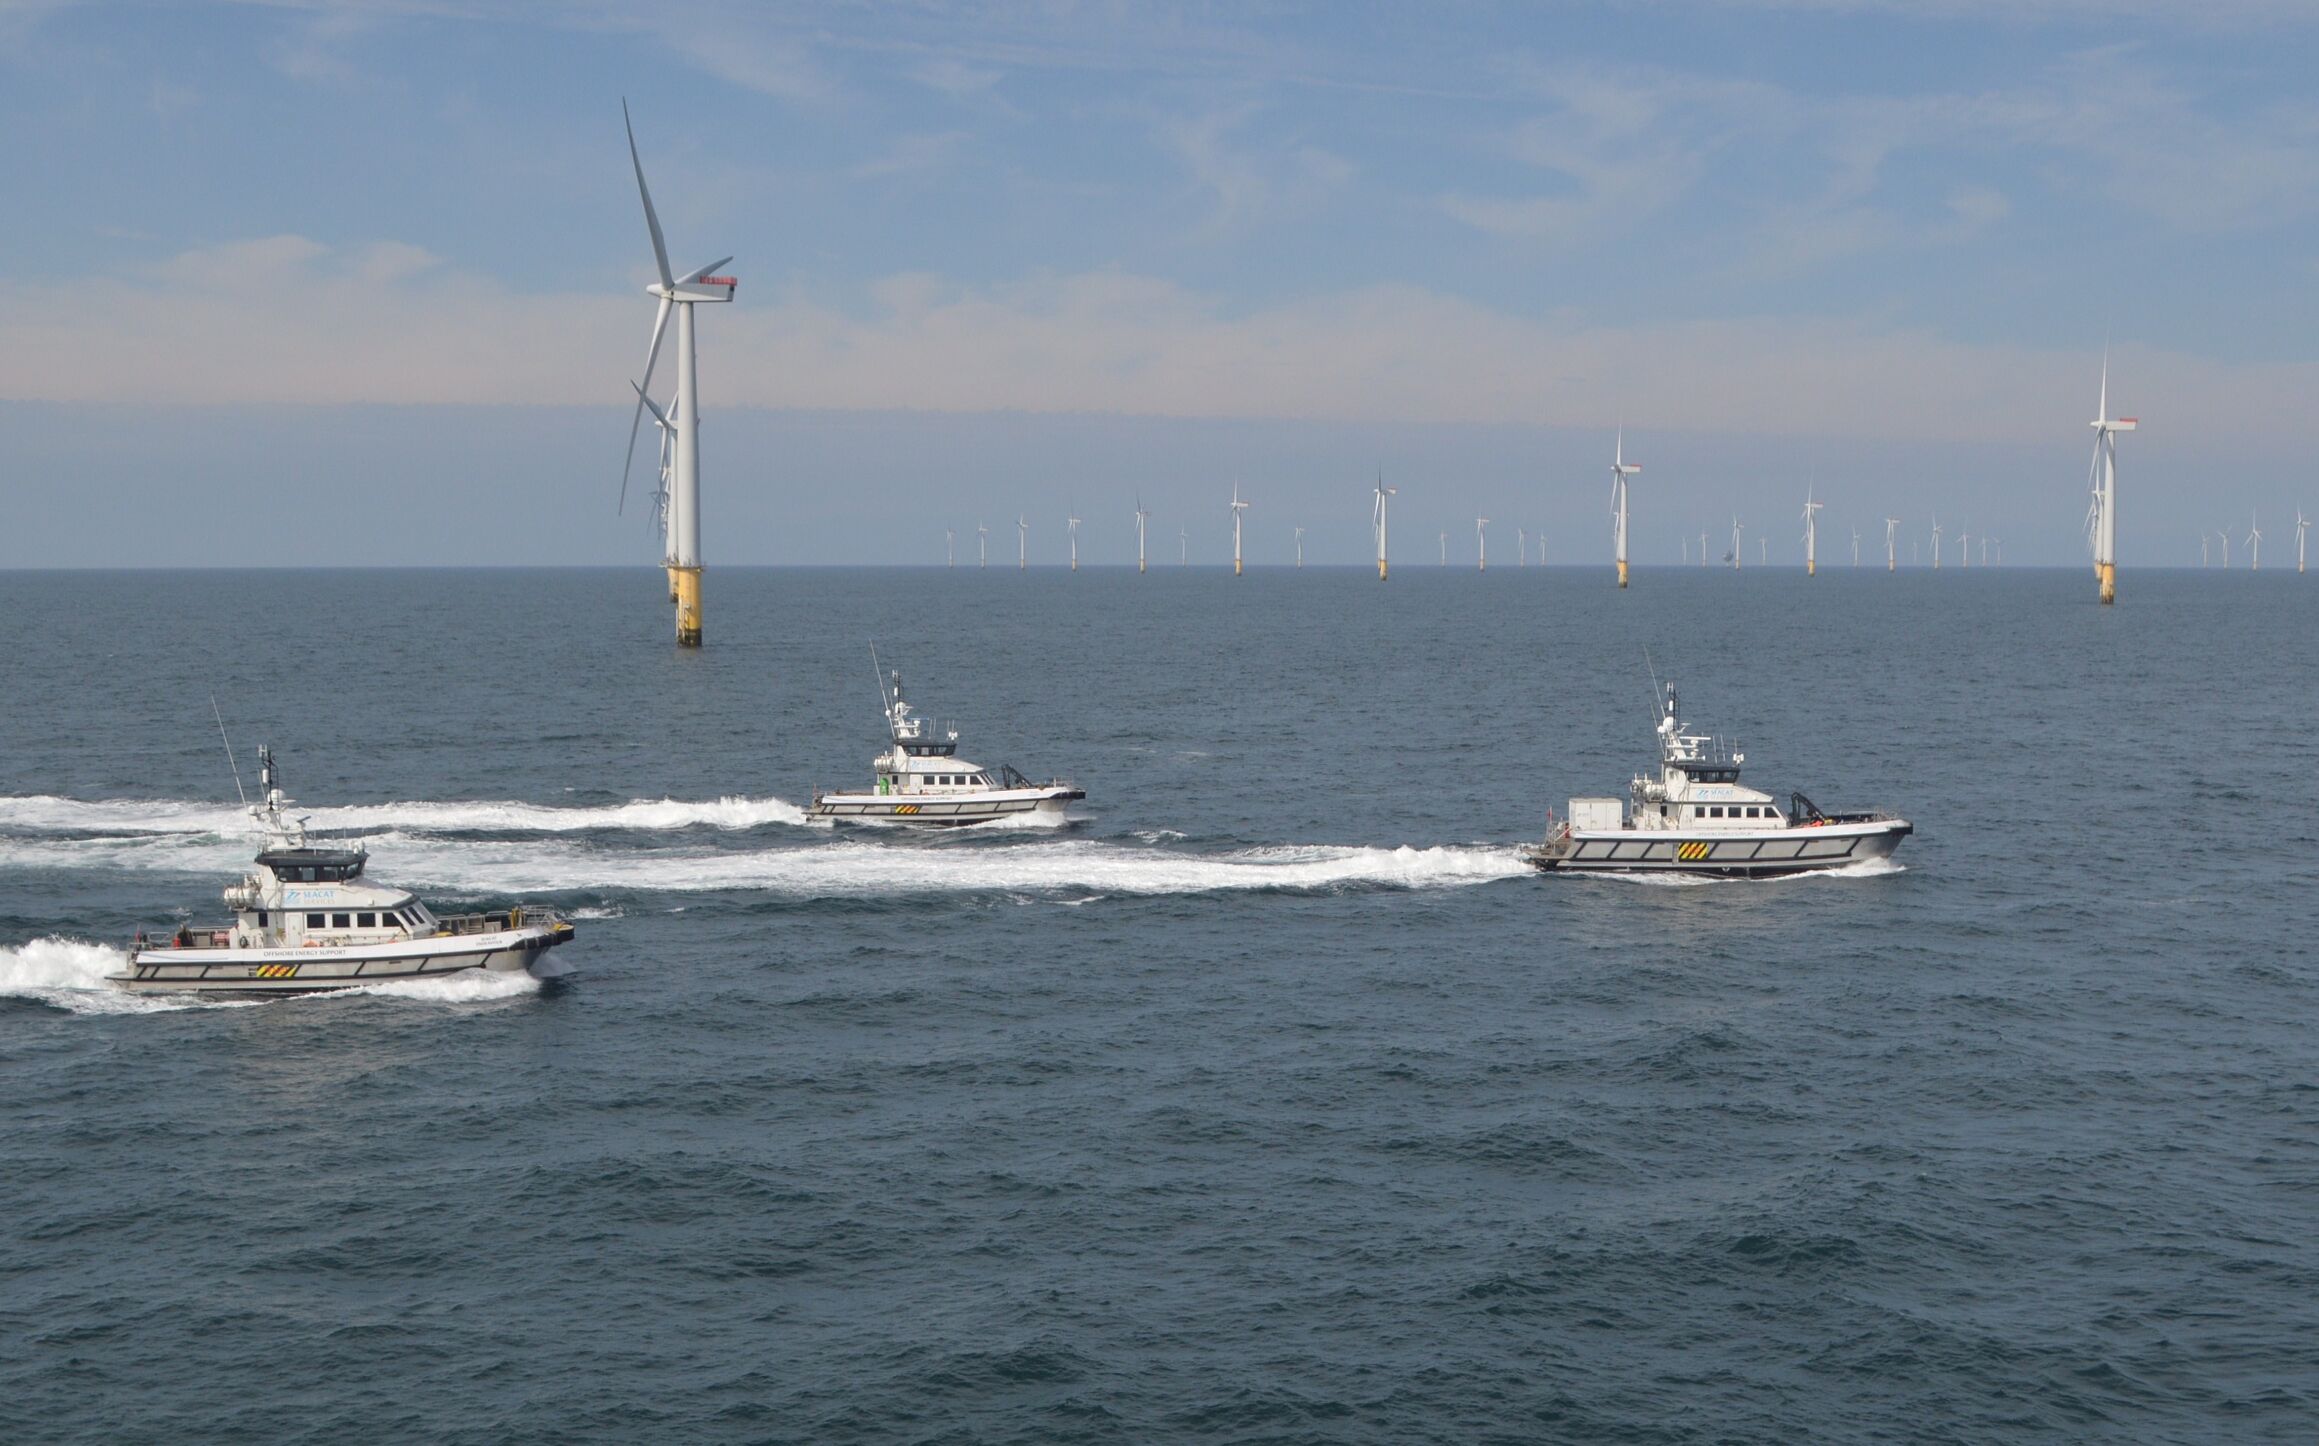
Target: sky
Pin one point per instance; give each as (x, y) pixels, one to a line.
(362, 283)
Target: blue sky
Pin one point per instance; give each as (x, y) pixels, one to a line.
(1029, 258)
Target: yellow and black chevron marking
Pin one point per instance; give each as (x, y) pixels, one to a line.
(905, 808)
(1691, 852)
(275, 971)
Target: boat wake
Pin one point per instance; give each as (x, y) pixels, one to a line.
(44, 813)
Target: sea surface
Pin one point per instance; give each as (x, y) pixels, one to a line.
(1273, 1099)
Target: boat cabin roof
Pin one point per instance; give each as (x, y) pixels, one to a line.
(314, 865)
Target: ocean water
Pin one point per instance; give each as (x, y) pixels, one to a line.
(1271, 1100)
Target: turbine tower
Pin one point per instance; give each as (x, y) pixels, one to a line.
(1811, 534)
(2222, 534)
(1620, 470)
(982, 541)
(1521, 547)
(2203, 554)
(1074, 531)
(950, 546)
(1445, 549)
(1702, 547)
(1300, 547)
(1735, 530)
(1183, 547)
(1238, 507)
(1482, 543)
(680, 294)
(1936, 542)
(1965, 547)
(2254, 545)
(1377, 521)
(1022, 544)
(2105, 489)
(1141, 517)
(1891, 552)
(1855, 547)
(2302, 525)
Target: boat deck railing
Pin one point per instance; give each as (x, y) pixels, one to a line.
(490, 922)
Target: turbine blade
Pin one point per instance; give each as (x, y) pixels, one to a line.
(651, 357)
(691, 276)
(659, 247)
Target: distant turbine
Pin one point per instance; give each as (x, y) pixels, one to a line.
(1891, 554)
(1445, 549)
(1377, 521)
(1141, 517)
(680, 294)
(1686, 551)
(1074, 531)
(982, 541)
(2223, 533)
(1811, 534)
(1763, 550)
(1735, 530)
(1965, 548)
(1482, 542)
(1521, 547)
(1183, 547)
(1238, 507)
(2254, 545)
(2104, 519)
(1022, 544)
(1620, 470)
(1702, 547)
(950, 546)
(1855, 547)
(1936, 542)
(2302, 525)
(2202, 541)
(1300, 547)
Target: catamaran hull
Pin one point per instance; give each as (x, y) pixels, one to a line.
(308, 971)
(943, 810)
(1763, 855)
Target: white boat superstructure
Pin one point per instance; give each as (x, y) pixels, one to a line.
(921, 779)
(1693, 816)
(305, 919)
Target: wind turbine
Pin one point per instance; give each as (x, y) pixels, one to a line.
(2302, 526)
(1855, 547)
(1811, 534)
(680, 294)
(1141, 517)
(2254, 545)
(1482, 542)
(1620, 470)
(2105, 490)
(1445, 549)
(1965, 547)
(2224, 534)
(1377, 520)
(1984, 549)
(2202, 540)
(1702, 547)
(950, 546)
(1238, 507)
(1074, 531)
(1735, 529)
(1183, 547)
(1936, 542)
(1891, 553)
(1022, 544)
(1763, 549)
(1300, 547)
(1521, 547)
(982, 540)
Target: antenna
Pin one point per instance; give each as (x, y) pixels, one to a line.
(229, 753)
(1652, 669)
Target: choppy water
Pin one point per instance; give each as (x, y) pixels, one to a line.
(1272, 1101)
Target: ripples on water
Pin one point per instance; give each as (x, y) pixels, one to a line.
(1274, 1100)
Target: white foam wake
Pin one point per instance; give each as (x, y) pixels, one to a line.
(70, 974)
(867, 869)
(44, 813)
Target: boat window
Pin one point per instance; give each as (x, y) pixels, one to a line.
(339, 921)
(261, 918)
(313, 921)
(366, 921)
(1716, 811)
